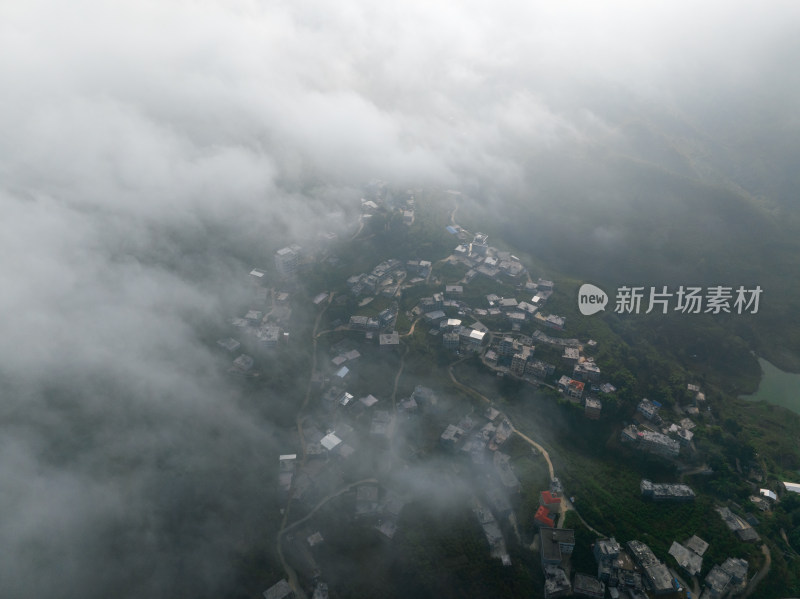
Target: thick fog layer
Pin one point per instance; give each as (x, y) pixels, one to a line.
(151, 152)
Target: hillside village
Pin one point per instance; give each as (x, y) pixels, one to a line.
(354, 442)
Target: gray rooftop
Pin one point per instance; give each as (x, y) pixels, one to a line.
(551, 540)
(718, 580)
(556, 583)
(279, 590)
(686, 558)
(696, 544)
(736, 567)
(588, 586)
(664, 492)
(656, 573)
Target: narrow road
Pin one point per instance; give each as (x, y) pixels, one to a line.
(291, 575)
(325, 500)
(393, 425)
(540, 448)
(566, 504)
(751, 586)
(411, 330)
(693, 471)
(397, 380)
(522, 435)
(786, 540)
(300, 418)
(360, 228)
(463, 387)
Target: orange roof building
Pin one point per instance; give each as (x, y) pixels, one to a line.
(542, 517)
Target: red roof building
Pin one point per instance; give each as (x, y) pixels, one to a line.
(542, 517)
(575, 388)
(550, 501)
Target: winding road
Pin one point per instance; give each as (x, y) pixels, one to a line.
(285, 527)
(326, 499)
(751, 586)
(291, 575)
(566, 504)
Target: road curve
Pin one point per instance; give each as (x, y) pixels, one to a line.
(291, 575)
(540, 448)
(762, 573)
(566, 504)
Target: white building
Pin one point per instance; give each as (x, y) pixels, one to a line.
(287, 260)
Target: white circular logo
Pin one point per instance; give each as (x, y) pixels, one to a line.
(591, 299)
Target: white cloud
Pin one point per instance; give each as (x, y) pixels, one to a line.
(130, 128)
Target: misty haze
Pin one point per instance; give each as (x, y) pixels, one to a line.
(290, 298)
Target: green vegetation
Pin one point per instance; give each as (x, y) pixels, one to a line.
(610, 501)
(449, 273)
(534, 477)
(446, 555)
(652, 356)
(658, 228)
(582, 558)
(436, 552)
(784, 577)
(772, 431)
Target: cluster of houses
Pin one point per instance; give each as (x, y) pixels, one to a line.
(262, 327)
(689, 554)
(492, 532)
(513, 354)
(343, 427)
(383, 279)
(555, 547)
(730, 577)
(346, 424)
(378, 195)
(484, 259)
(476, 437)
(369, 504)
(738, 525)
(478, 440)
(458, 338)
(653, 435)
(518, 313)
(634, 569)
(516, 356)
(363, 422)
